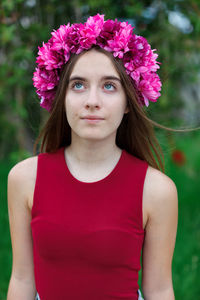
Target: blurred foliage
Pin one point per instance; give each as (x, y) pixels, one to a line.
(24, 25)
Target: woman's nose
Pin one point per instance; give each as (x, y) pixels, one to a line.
(93, 98)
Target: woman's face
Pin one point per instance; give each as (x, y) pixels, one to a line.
(95, 100)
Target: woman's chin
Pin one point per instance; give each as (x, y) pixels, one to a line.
(92, 137)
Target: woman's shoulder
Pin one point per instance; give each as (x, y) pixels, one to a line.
(158, 180)
(22, 177)
(24, 168)
(159, 192)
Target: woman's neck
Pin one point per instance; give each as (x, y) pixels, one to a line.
(91, 162)
(92, 153)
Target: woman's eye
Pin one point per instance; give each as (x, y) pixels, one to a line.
(77, 86)
(109, 86)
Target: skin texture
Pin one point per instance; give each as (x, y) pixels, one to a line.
(91, 156)
(160, 203)
(93, 152)
(94, 95)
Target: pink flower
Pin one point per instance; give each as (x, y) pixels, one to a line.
(73, 38)
(153, 64)
(125, 33)
(107, 33)
(47, 98)
(48, 58)
(95, 23)
(45, 82)
(90, 31)
(59, 38)
(139, 53)
(119, 43)
(112, 35)
(44, 79)
(149, 86)
(87, 38)
(136, 76)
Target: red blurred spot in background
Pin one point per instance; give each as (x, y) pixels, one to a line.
(178, 157)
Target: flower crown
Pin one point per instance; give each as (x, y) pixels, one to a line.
(112, 35)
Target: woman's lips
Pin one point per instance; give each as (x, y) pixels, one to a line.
(92, 119)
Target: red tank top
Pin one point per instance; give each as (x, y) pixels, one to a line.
(87, 237)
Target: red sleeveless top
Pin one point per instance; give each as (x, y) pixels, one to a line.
(87, 237)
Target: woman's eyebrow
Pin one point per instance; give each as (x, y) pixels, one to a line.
(111, 78)
(108, 77)
(76, 78)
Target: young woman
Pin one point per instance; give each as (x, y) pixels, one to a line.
(83, 209)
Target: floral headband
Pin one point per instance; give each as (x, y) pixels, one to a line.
(112, 35)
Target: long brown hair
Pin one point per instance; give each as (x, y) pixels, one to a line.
(135, 133)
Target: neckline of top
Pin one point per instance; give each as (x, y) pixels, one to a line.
(107, 178)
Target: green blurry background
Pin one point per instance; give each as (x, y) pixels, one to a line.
(171, 27)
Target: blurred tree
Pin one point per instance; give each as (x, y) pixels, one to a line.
(171, 26)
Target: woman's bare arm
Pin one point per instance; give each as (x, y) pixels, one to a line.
(161, 203)
(20, 185)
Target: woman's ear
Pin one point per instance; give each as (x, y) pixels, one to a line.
(127, 109)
